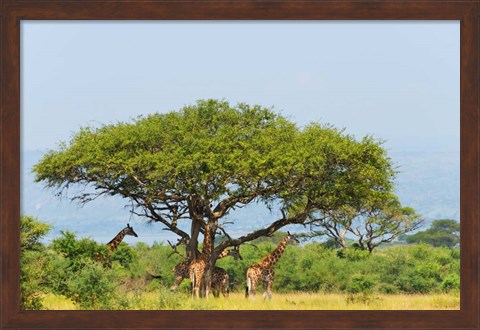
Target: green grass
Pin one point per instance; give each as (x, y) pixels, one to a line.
(294, 301)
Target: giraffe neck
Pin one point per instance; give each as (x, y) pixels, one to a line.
(115, 242)
(223, 254)
(207, 243)
(271, 259)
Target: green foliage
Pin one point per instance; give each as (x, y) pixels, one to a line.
(34, 262)
(444, 232)
(124, 255)
(355, 254)
(34, 268)
(187, 150)
(79, 251)
(31, 232)
(360, 288)
(451, 282)
(93, 287)
(64, 268)
(221, 156)
(275, 238)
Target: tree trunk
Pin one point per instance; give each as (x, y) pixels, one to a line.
(192, 247)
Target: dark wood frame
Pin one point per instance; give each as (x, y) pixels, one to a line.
(12, 12)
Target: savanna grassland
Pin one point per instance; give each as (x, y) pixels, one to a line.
(66, 274)
(281, 301)
(199, 164)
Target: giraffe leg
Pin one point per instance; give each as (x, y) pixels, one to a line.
(225, 287)
(208, 281)
(193, 283)
(248, 287)
(215, 291)
(197, 288)
(202, 288)
(265, 288)
(253, 287)
(270, 285)
(269, 289)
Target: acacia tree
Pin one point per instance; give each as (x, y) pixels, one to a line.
(205, 160)
(443, 232)
(369, 226)
(356, 186)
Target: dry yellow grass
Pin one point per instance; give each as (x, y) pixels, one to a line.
(292, 301)
(315, 301)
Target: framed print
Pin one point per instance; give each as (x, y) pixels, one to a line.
(328, 149)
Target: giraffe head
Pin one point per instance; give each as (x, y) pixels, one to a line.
(235, 253)
(182, 241)
(129, 231)
(290, 238)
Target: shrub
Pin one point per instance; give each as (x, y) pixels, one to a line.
(124, 255)
(360, 289)
(451, 282)
(35, 263)
(387, 288)
(34, 268)
(93, 287)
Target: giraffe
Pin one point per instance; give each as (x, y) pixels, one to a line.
(220, 280)
(115, 242)
(181, 270)
(200, 266)
(263, 270)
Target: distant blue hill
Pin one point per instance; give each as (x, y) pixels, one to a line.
(427, 181)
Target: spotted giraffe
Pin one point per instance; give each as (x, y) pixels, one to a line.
(115, 242)
(219, 279)
(199, 268)
(264, 271)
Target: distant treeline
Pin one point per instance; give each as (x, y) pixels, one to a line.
(84, 271)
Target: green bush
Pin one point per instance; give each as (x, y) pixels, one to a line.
(79, 251)
(93, 287)
(35, 262)
(387, 288)
(125, 255)
(68, 266)
(451, 282)
(360, 288)
(35, 267)
(360, 284)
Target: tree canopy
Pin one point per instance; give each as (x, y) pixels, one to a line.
(31, 232)
(443, 232)
(202, 162)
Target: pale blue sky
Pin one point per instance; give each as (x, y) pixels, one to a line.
(396, 80)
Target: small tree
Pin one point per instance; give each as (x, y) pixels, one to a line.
(368, 225)
(34, 263)
(444, 232)
(31, 232)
